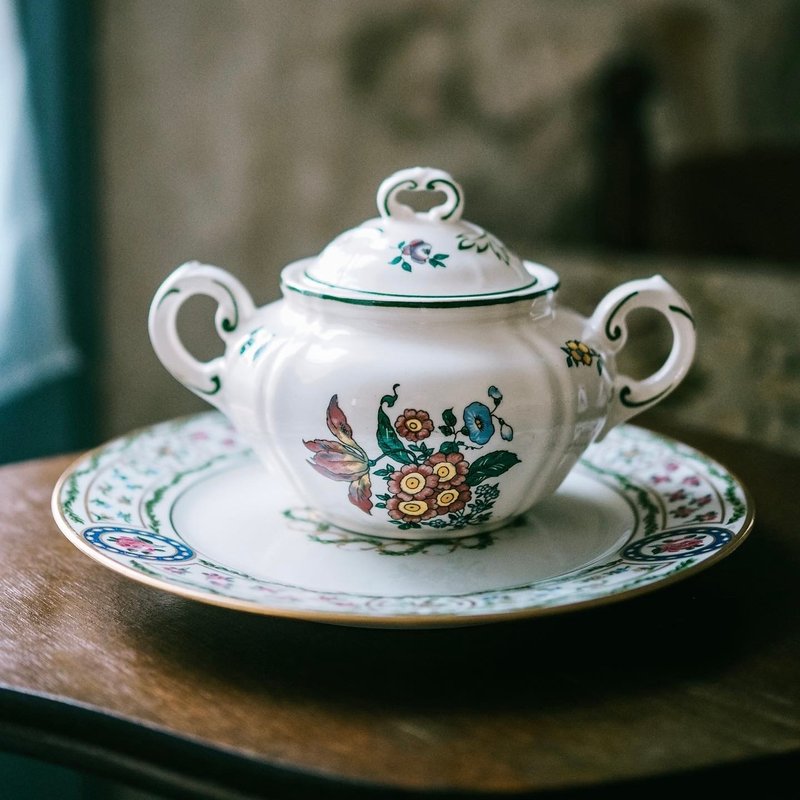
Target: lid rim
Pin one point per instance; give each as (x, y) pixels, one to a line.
(372, 293)
(296, 278)
(416, 302)
(457, 303)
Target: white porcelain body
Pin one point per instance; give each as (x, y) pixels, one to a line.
(298, 370)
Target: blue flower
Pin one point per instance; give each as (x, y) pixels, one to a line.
(495, 394)
(478, 423)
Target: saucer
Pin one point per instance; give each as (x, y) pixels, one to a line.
(183, 506)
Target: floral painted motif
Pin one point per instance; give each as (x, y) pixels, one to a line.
(139, 543)
(677, 543)
(682, 502)
(343, 459)
(580, 354)
(414, 425)
(437, 488)
(418, 252)
(321, 532)
(256, 343)
(483, 241)
(478, 423)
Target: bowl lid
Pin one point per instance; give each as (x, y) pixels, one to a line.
(407, 257)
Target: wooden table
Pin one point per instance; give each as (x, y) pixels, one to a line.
(695, 685)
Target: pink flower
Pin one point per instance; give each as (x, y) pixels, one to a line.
(417, 250)
(450, 469)
(412, 487)
(681, 511)
(132, 543)
(343, 459)
(218, 580)
(452, 499)
(411, 510)
(677, 545)
(414, 425)
(413, 481)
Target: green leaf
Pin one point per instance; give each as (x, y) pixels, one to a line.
(441, 256)
(388, 440)
(490, 466)
(448, 447)
(449, 417)
(406, 266)
(396, 260)
(446, 430)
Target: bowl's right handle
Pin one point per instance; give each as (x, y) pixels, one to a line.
(608, 329)
(234, 305)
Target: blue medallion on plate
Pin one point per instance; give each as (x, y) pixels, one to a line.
(138, 543)
(677, 543)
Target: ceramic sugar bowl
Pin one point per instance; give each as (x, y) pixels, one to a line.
(418, 380)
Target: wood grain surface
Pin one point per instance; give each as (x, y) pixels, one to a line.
(699, 679)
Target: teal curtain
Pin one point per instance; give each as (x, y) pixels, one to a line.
(48, 277)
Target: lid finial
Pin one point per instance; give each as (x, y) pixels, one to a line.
(420, 179)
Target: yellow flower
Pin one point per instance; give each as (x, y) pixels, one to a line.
(580, 353)
(413, 508)
(412, 483)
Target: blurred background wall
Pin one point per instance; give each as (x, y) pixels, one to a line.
(607, 138)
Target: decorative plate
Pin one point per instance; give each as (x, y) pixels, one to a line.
(184, 506)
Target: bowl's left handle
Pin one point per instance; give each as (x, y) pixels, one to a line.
(234, 305)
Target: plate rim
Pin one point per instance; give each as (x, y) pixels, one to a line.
(407, 621)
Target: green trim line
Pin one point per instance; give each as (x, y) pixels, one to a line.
(684, 312)
(432, 296)
(457, 302)
(431, 187)
(617, 332)
(409, 185)
(626, 391)
(649, 517)
(215, 379)
(227, 325)
(72, 490)
(158, 494)
(166, 294)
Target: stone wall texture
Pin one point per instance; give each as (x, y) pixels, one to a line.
(249, 133)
